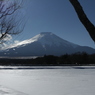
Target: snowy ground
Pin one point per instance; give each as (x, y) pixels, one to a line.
(47, 81)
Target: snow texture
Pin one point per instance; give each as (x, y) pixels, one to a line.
(70, 80)
(7, 91)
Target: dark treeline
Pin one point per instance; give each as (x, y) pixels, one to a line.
(77, 59)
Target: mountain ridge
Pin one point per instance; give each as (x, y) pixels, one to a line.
(45, 43)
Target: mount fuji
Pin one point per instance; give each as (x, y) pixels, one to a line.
(45, 43)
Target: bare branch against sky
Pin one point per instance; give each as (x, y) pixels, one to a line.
(10, 23)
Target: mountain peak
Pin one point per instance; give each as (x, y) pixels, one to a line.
(46, 33)
(44, 38)
(50, 39)
(44, 43)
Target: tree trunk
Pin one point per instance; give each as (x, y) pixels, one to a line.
(83, 18)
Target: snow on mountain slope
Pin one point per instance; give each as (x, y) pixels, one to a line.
(45, 43)
(51, 39)
(45, 38)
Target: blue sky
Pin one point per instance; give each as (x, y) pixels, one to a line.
(58, 17)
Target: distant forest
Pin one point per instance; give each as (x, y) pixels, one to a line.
(76, 59)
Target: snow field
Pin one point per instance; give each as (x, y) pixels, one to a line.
(48, 82)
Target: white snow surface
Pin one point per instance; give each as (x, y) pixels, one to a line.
(8, 91)
(57, 80)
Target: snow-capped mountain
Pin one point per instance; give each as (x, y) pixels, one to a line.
(45, 43)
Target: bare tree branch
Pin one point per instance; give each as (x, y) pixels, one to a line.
(9, 23)
(83, 18)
